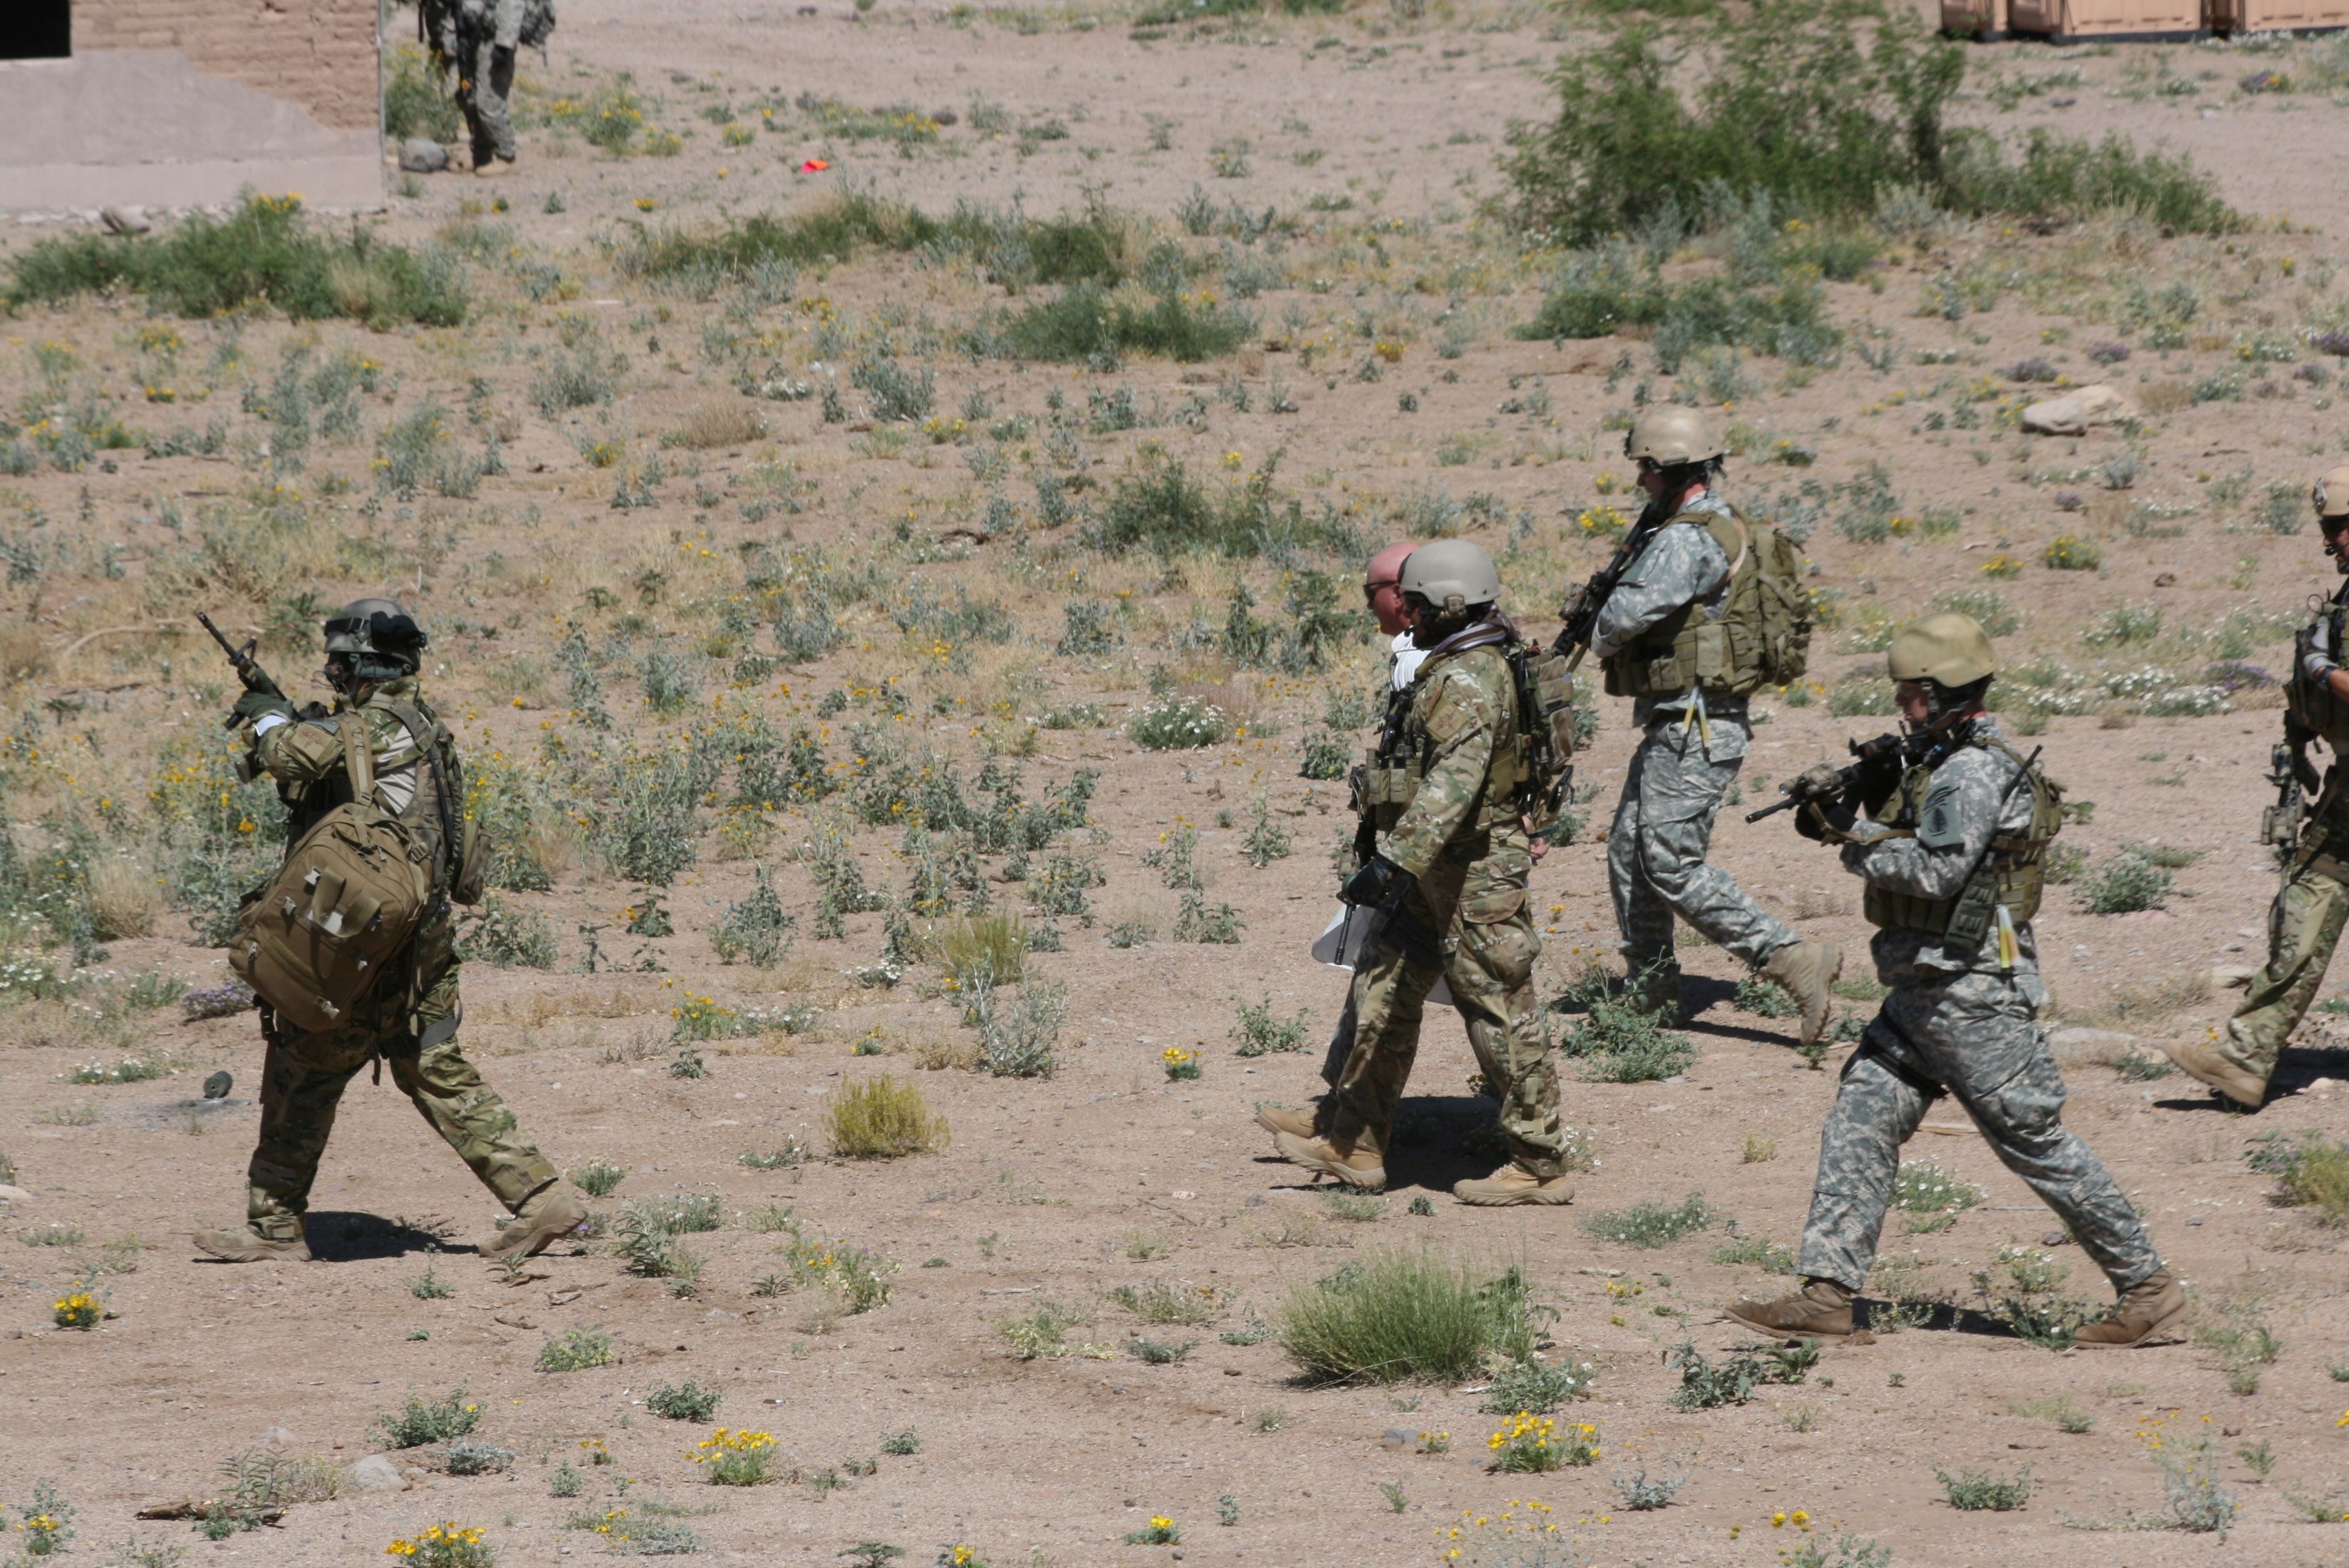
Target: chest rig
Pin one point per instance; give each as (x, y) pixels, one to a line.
(2006, 887)
(1388, 778)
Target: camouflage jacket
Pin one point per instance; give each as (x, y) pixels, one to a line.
(1682, 565)
(1961, 812)
(1462, 733)
(306, 757)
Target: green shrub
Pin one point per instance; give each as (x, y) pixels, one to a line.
(509, 938)
(2069, 552)
(1922, 1187)
(210, 266)
(2313, 1171)
(882, 1119)
(422, 1421)
(1537, 1389)
(1178, 724)
(686, 1401)
(1860, 694)
(1405, 1317)
(415, 99)
(1087, 324)
(575, 1350)
(1653, 1224)
(756, 928)
(1826, 118)
(1989, 608)
(2123, 885)
(1260, 1033)
(1975, 1491)
(1620, 1042)
(597, 1178)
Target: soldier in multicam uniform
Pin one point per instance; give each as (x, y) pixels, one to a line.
(1659, 639)
(2304, 924)
(409, 1017)
(1951, 858)
(1447, 871)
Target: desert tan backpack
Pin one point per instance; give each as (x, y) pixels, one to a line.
(354, 889)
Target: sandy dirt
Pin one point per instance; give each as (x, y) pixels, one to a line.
(1382, 138)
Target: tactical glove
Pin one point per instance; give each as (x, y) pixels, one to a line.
(1380, 884)
(1827, 822)
(258, 705)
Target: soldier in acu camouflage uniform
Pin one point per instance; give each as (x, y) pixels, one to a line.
(480, 37)
(1951, 858)
(2304, 924)
(409, 1016)
(1448, 870)
(1659, 640)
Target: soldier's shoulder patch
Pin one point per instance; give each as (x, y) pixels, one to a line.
(1453, 700)
(1942, 823)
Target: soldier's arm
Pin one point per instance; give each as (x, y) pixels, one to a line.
(298, 750)
(1960, 815)
(1680, 565)
(1460, 722)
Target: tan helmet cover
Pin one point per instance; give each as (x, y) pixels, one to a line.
(1950, 649)
(2331, 493)
(1671, 435)
(1452, 574)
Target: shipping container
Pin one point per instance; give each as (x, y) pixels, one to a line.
(2275, 15)
(2068, 19)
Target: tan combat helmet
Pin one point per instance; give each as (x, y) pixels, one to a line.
(2332, 497)
(1451, 575)
(1670, 436)
(380, 631)
(1949, 650)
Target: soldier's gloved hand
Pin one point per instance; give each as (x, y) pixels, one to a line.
(1826, 820)
(1819, 780)
(256, 705)
(1379, 884)
(2314, 657)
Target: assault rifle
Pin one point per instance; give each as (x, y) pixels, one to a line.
(1580, 613)
(2295, 778)
(1881, 760)
(248, 668)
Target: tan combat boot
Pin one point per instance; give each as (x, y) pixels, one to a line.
(1820, 1310)
(1656, 989)
(1278, 1118)
(2200, 1059)
(1333, 1156)
(495, 169)
(1806, 969)
(547, 1216)
(2144, 1310)
(277, 1239)
(1513, 1184)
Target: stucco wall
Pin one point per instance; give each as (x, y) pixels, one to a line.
(185, 102)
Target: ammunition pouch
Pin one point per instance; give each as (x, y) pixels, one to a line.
(2011, 875)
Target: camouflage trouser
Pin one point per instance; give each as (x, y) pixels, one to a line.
(1478, 900)
(305, 1074)
(2304, 927)
(1973, 1036)
(486, 93)
(1655, 856)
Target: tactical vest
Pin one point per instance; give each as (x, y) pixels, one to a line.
(2011, 877)
(1762, 637)
(1389, 778)
(2309, 699)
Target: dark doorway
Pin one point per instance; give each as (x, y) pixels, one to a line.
(35, 29)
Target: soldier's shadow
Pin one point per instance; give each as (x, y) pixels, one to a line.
(1440, 1139)
(1882, 1317)
(2296, 1069)
(340, 1236)
(1701, 993)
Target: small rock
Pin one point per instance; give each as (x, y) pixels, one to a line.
(124, 220)
(217, 1086)
(2166, 580)
(2056, 1239)
(2072, 414)
(14, 1194)
(422, 155)
(2195, 1220)
(377, 1473)
(1395, 1438)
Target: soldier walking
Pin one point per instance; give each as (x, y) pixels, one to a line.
(1672, 635)
(1950, 852)
(409, 1016)
(1446, 873)
(2304, 922)
(479, 38)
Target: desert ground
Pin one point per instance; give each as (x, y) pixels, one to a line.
(783, 616)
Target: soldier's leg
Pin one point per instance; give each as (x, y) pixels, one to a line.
(2022, 1119)
(1680, 791)
(2304, 927)
(462, 1108)
(1389, 997)
(1490, 971)
(493, 105)
(471, 60)
(1642, 916)
(303, 1077)
(1875, 1110)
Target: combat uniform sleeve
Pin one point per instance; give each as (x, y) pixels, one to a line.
(1679, 566)
(298, 750)
(1461, 721)
(1961, 813)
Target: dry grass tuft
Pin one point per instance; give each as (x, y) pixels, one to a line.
(882, 1119)
(719, 423)
(123, 899)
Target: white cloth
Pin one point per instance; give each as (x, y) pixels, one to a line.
(1403, 659)
(267, 722)
(1340, 943)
